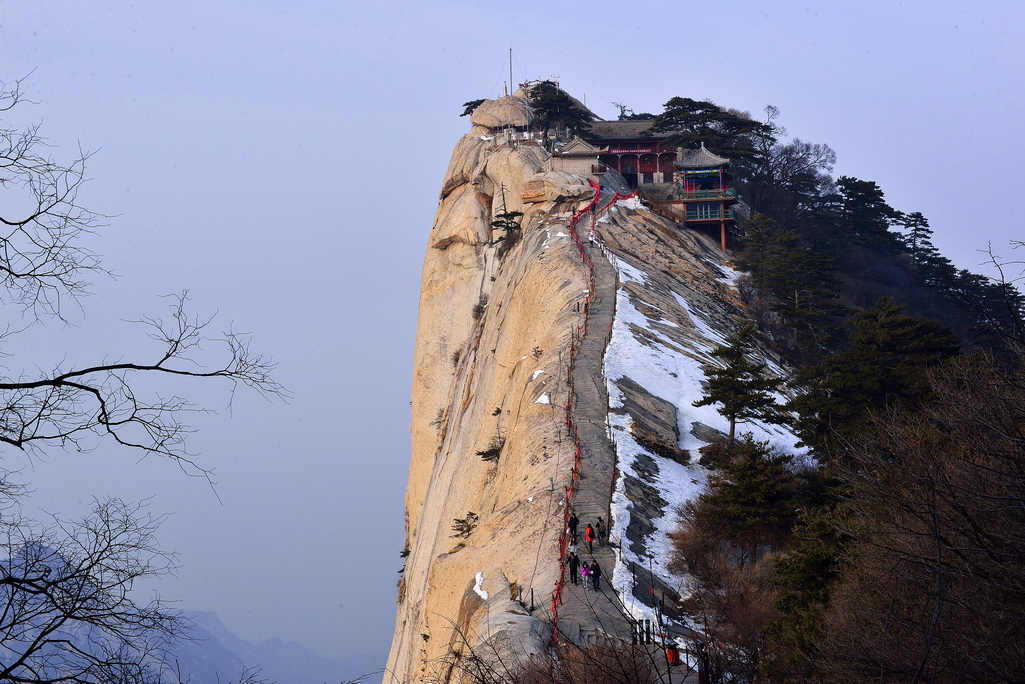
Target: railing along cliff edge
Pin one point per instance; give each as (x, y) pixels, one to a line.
(596, 210)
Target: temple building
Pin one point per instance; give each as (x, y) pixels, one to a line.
(705, 193)
(644, 161)
(578, 157)
(691, 187)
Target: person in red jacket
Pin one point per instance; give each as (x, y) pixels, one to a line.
(589, 538)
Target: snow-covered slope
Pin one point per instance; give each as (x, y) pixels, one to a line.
(509, 401)
(666, 325)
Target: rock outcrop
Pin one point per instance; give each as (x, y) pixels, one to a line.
(494, 330)
(492, 457)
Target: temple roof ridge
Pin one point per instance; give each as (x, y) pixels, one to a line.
(702, 158)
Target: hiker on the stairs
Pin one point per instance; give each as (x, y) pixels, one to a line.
(595, 575)
(589, 538)
(573, 522)
(574, 566)
(602, 529)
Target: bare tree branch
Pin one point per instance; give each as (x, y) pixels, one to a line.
(67, 608)
(42, 224)
(66, 407)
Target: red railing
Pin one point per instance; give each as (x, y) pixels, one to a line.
(578, 335)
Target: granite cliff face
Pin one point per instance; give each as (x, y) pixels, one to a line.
(497, 401)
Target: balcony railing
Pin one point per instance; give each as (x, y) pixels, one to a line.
(711, 215)
(709, 194)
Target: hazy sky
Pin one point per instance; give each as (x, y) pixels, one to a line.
(282, 162)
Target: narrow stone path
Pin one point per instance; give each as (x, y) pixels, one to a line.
(586, 616)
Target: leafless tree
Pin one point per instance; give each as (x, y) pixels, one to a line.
(43, 263)
(68, 612)
(42, 258)
(933, 589)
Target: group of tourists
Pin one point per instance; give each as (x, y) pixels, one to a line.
(587, 572)
(592, 533)
(598, 532)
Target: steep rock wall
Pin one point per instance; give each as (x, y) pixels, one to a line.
(488, 375)
(494, 374)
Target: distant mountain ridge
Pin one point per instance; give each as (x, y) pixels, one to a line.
(217, 656)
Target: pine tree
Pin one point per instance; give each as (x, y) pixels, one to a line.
(918, 235)
(553, 107)
(468, 107)
(751, 498)
(800, 280)
(884, 366)
(741, 386)
(728, 132)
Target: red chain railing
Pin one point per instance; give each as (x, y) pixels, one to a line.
(578, 335)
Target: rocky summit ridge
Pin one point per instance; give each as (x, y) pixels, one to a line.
(545, 370)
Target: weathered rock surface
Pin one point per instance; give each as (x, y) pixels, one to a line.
(505, 111)
(552, 186)
(492, 340)
(494, 334)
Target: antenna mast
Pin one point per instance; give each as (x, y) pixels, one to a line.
(510, 72)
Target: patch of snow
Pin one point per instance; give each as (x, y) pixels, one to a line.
(731, 276)
(706, 330)
(676, 376)
(538, 372)
(630, 203)
(478, 586)
(544, 399)
(549, 237)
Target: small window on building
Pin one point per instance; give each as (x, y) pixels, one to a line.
(649, 178)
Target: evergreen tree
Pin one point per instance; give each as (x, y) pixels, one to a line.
(803, 577)
(751, 498)
(509, 223)
(468, 107)
(554, 108)
(917, 238)
(741, 386)
(729, 133)
(857, 214)
(800, 280)
(884, 366)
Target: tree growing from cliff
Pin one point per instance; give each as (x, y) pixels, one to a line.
(553, 108)
(509, 223)
(78, 577)
(468, 107)
(742, 387)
